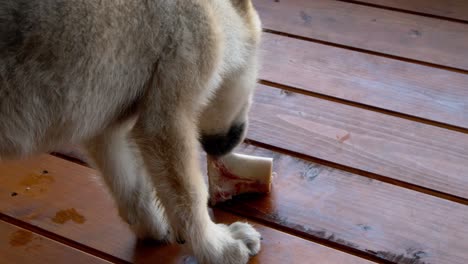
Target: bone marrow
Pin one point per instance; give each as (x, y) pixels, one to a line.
(236, 174)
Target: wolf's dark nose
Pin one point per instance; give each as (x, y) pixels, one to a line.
(222, 144)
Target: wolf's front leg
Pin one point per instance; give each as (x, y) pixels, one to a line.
(169, 149)
(121, 166)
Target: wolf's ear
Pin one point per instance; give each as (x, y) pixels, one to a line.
(241, 5)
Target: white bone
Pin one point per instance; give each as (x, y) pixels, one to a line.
(236, 174)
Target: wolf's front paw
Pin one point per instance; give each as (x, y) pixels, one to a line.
(248, 235)
(232, 244)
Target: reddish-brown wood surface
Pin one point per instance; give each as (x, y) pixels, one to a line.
(36, 197)
(395, 33)
(398, 86)
(401, 149)
(456, 9)
(18, 245)
(394, 223)
(387, 221)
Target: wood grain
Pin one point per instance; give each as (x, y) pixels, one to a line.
(18, 245)
(78, 187)
(420, 154)
(396, 224)
(398, 86)
(399, 34)
(456, 9)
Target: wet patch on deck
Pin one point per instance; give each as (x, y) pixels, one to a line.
(34, 184)
(63, 216)
(21, 238)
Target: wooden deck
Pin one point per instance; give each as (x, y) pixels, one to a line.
(364, 107)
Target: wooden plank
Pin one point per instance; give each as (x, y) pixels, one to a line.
(18, 245)
(72, 186)
(412, 152)
(367, 79)
(384, 31)
(456, 9)
(393, 223)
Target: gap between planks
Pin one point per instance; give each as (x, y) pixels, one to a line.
(451, 19)
(366, 51)
(61, 239)
(363, 106)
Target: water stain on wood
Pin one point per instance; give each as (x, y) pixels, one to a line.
(415, 33)
(306, 17)
(21, 238)
(400, 258)
(36, 183)
(285, 92)
(63, 216)
(365, 227)
(311, 172)
(36, 179)
(416, 253)
(343, 138)
(279, 219)
(321, 234)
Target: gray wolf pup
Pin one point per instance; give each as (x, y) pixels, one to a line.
(139, 83)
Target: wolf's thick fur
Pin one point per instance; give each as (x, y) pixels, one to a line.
(138, 83)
